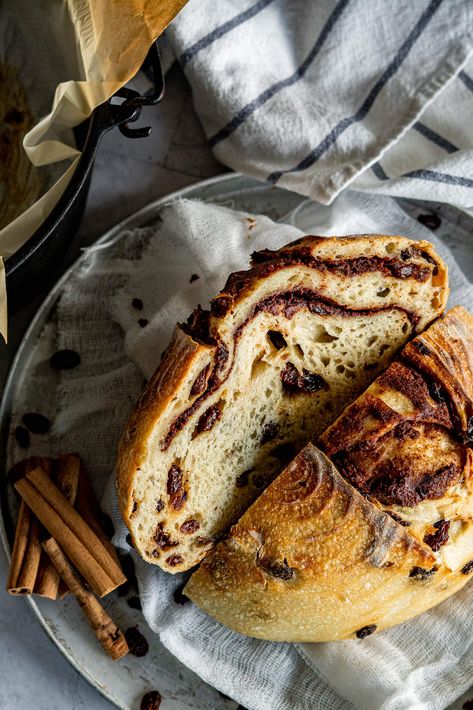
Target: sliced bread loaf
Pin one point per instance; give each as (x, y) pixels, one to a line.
(327, 552)
(242, 387)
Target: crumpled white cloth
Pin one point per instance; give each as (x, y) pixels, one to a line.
(425, 663)
(315, 95)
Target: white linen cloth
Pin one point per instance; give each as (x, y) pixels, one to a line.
(315, 95)
(425, 663)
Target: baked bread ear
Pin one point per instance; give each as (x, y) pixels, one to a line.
(242, 387)
(331, 553)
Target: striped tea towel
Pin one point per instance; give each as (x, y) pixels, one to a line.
(314, 95)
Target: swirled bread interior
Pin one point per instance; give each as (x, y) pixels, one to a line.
(242, 387)
(332, 552)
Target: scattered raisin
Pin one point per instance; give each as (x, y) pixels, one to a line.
(137, 643)
(143, 322)
(431, 221)
(137, 303)
(439, 537)
(275, 568)
(174, 560)
(466, 569)
(221, 304)
(435, 391)
(65, 359)
(22, 437)
(270, 432)
(190, 526)
(178, 499)
(421, 573)
(160, 505)
(366, 631)
(200, 540)
(179, 597)
(134, 603)
(151, 700)
(208, 419)
(36, 423)
(193, 278)
(134, 507)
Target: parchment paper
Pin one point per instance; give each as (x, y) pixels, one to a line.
(84, 50)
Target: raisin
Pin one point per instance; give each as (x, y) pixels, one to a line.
(22, 437)
(439, 537)
(36, 423)
(435, 391)
(178, 499)
(134, 507)
(65, 359)
(193, 278)
(431, 221)
(200, 540)
(421, 573)
(466, 569)
(137, 303)
(134, 603)
(163, 539)
(179, 597)
(174, 481)
(151, 700)
(366, 631)
(275, 568)
(294, 382)
(137, 643)
(143, 322)
(190, 526)
(270, 432)
(208, 419)
(159, 505)
(221, 304)
(174, 560)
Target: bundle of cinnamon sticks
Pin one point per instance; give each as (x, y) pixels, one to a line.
(60, 544)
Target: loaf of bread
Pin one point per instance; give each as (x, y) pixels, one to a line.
(333, 552)
(243, 387)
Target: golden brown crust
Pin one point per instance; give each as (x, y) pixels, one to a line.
(423, 403)
(312, 560)
(155, 397)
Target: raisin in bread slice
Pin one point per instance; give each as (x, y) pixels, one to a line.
(242, 387)
(329, 552)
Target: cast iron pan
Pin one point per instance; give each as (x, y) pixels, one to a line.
(43, 252)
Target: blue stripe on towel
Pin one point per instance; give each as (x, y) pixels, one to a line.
(392, 68)
(236, 21)
(435, 137)
(264, 97)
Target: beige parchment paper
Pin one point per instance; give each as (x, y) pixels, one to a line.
(92, 47)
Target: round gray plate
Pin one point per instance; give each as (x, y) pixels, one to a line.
(125, 682)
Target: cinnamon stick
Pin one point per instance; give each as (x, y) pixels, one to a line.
(67, 479)
(108, 633)
(72, 533)
(26, 552)
(87, 506)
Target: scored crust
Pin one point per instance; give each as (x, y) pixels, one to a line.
(329, 553)
(242, 387)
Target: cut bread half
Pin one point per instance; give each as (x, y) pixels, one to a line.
(242, 387)
(330, 553)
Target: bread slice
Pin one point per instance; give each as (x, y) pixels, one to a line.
(331, 553)
(242, 387)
